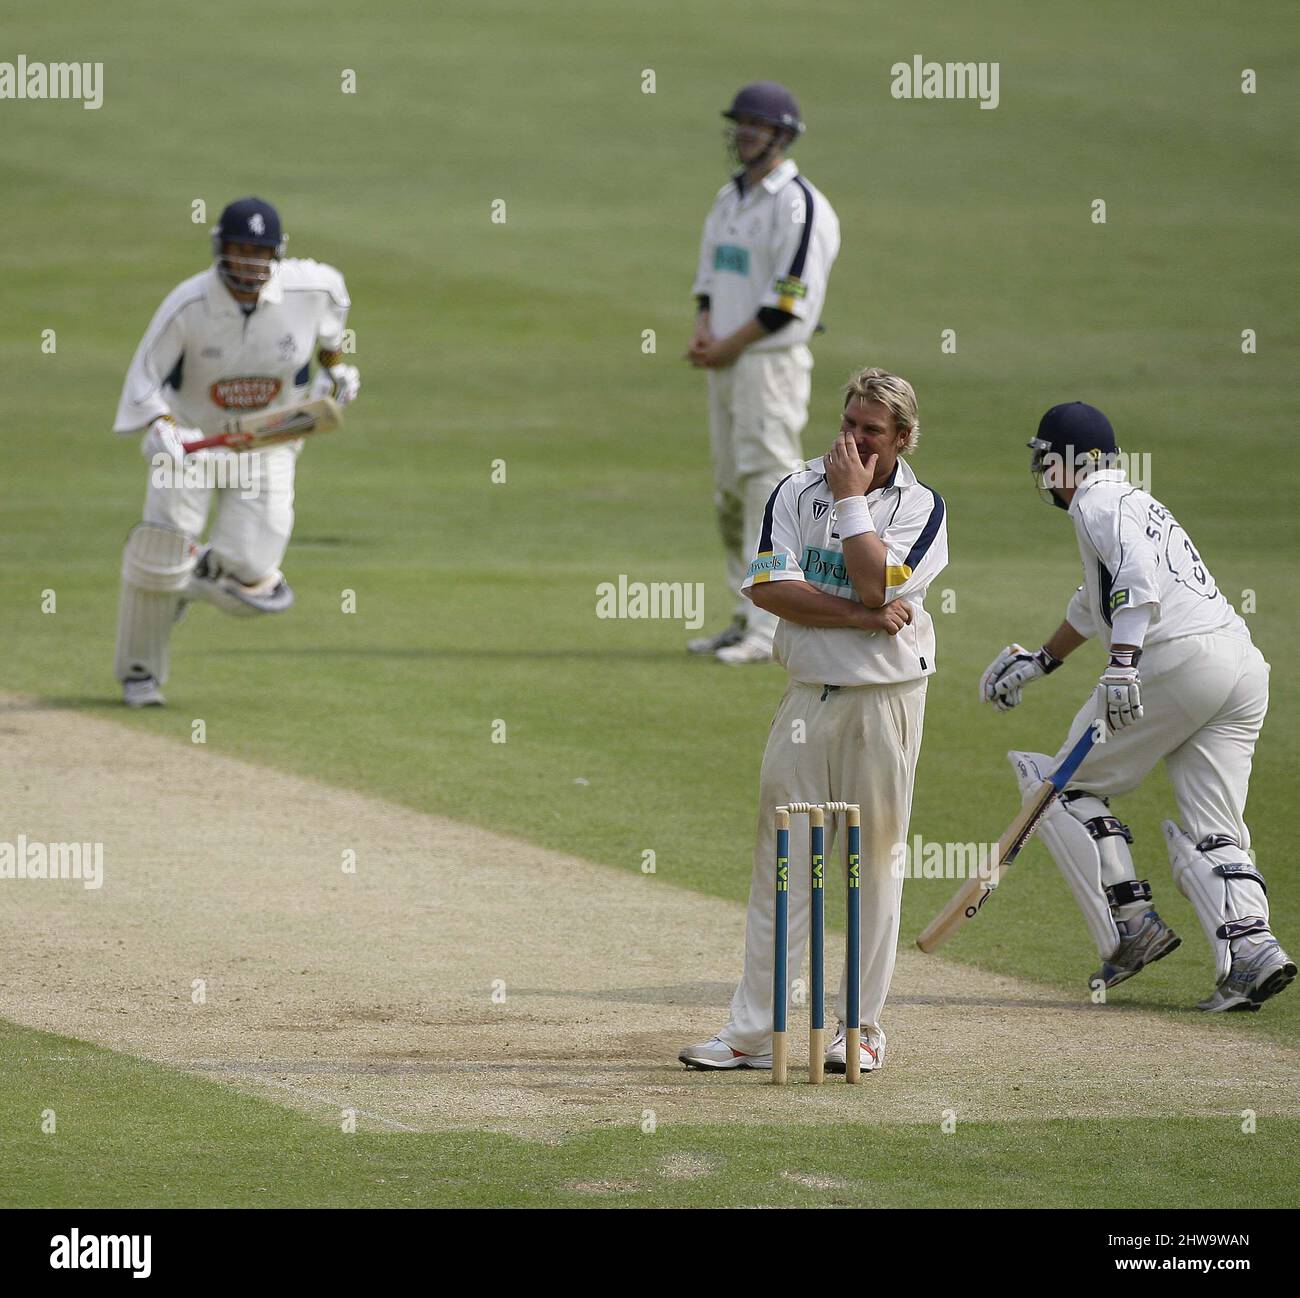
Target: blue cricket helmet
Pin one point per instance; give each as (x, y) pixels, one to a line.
(250, 220)
(1072, 439)
(247, 221)
(770, 102)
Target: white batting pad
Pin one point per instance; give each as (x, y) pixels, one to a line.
(156, 567)
(1224, 905)
(1073, 850)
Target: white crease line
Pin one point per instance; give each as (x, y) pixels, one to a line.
(326, 1099)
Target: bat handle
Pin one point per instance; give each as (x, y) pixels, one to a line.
(231, 441)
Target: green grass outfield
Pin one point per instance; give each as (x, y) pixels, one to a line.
(522, 342)
(182, 1142)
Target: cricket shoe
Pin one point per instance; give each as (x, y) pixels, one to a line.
(715, 1054)
(1259, 970)
(142, 692)
(871, 1049)
(750, 649)
(1144, 939)
(710, 644)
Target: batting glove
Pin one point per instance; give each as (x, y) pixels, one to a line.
(347, 383)
(1011, 671)
(1121, 689)
(166, 437)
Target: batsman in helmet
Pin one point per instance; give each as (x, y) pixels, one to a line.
(1184, 685)
(237, 338)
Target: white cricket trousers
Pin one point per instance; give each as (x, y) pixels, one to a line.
(757, 410)
(859, 744)
(251, 531)
(1204, 698)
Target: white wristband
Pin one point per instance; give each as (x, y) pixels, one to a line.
(1129, 625)
(853, 517)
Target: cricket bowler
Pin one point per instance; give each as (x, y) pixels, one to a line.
(238, 337)
(766, 254)
(844, 554)
(1184, 684)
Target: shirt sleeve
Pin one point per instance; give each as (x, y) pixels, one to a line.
(1114, 522)
(799, 285)
(916, 541)
(161, 347)
(1079, 614)
(778, 548)
(334, 317)
(703, 286)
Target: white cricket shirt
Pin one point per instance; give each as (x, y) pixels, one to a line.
(1135, 552)
(203, 360)
(799, 542)
(771, 245)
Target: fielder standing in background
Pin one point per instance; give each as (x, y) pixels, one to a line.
(238, 337)
(846, 550)
(1197, 701)
(765, 257)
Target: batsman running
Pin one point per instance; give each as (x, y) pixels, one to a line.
(843, 557)
(235, 340)
(1197, 700)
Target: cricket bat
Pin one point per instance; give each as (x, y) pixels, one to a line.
(974, 892)
(267, 428)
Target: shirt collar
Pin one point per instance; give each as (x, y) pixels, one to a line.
(785, 173)
(1097, 478)
(901, 477)
(772, 182)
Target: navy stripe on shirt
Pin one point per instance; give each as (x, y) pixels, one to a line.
(765, 536)
(928, 532)
(801, 253)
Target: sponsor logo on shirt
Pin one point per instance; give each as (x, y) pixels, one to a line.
(1118, 599)
(819, 509)
(250, 393)
(726, 256)
(765, 564)
(825, 567)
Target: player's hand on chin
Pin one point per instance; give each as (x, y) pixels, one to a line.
(846, 475)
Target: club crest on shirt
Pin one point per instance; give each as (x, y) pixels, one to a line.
(251, 393)
(288, 347)
(819, 509)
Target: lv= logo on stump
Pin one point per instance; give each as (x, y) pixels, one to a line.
(816, 813)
